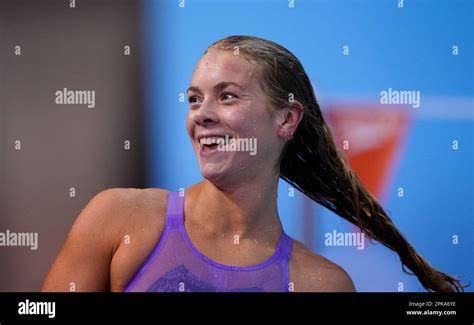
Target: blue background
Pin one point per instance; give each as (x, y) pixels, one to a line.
(401, 48)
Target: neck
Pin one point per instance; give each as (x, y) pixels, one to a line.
(248, 211)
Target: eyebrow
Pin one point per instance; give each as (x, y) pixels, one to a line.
(217, 87)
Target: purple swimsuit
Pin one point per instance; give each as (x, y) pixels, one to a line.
(175, 265)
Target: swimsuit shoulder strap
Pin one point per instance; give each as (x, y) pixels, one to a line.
(286, 247)
(174, 209)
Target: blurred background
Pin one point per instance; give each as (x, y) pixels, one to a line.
(139, 56)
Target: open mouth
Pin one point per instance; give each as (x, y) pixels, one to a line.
(209, 145)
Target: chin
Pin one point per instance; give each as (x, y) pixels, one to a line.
(219, 178)
(210, 173)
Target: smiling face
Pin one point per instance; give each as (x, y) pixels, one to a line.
(225, 99)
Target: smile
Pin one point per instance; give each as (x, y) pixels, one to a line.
(208, 145)
(211, 145)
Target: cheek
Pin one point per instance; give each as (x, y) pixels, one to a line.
(189, 123)
(257, 125)
(245, 121)
(238, 122)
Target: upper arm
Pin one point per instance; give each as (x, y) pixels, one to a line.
(83, 263)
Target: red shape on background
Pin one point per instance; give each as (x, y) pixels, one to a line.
(374, 134)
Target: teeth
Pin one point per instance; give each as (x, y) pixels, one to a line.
(210, 141)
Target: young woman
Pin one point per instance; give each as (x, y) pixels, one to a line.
(224, 233)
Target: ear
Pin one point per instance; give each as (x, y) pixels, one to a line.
(289, 119)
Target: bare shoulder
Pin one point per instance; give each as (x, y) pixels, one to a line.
(120, 209)
(85, 258)
(100, 212)
(113, 204)
(310, 272)
(121, 202)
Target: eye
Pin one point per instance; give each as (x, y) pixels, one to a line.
(192, 99)
(228, 96)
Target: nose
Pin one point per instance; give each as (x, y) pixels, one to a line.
(205, 115)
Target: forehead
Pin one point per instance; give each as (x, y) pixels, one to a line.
(223, 65)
